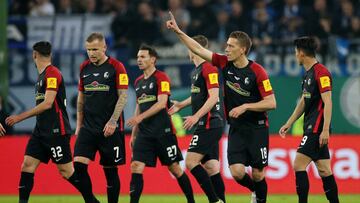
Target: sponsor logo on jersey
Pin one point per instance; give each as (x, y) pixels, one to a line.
(146, 98)
(267, 85)
(96, 86)
(39, 96)
(236, 87)
(307, 95)
(165, 86)
(195, 89)
(123, 79)
(51, 83)
(213, 78)
(325, 81)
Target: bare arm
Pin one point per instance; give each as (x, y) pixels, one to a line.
(50, 96)
(177, 106)
(298, 111)
(135, 128)
(80, 111)
(266, 104)
(188, 41)
(158, 106)
(325, 134)
(2, 130)
(209, 104)
(120, 104)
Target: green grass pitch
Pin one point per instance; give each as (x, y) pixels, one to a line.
(180, 199)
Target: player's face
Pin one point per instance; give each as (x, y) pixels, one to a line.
(96, 51)
(299, 56)
(144, 60)
(233, 49)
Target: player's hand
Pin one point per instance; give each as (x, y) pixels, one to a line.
(175, 107)
(237, 111)
(12, 120)
(109, 128)
(133, 121)
(2, 130)
(171, 24)
(324, 138)
(283, 130)
(190, 122)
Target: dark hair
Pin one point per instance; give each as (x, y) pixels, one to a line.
(152, 51)
(95, 36)
(243, 39)
(43, 48)
(202, 40)
(306, 44)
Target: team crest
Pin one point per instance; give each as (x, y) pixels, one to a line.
(106, 75)
(247, 81)
(309, 81)
(151, 85)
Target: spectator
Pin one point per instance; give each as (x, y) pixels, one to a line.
(201, 14)
(263, 29)
(65, 7)
(121, 24)
(181, 14)
(18, 7)
(223, 27)
(42, 8)
(342, 20)
(238, 17)
(146, 28)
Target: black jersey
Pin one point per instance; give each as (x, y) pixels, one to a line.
(147, 92)
(99, 85)
(205, 77)
(317, 80)
(54, 121)
(244, 85)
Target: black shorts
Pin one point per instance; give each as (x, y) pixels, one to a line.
(248, 146)
(57, 148)
(111, 149)
(146, 149)
(310, 146)
(206, 142)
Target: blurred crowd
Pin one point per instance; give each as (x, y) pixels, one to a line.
(266, 21)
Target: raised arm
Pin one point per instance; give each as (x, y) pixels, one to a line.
(188, 41)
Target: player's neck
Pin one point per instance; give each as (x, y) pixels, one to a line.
(241, 62)
(149, 71)
(102, 60)
(309, 62)
(197, 61)
(41, 65)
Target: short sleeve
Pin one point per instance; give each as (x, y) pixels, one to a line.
(53, 78)
(324, 80)
(163, 83)
(262, 81)
(211, 76)
(219, 60)
(122, 80)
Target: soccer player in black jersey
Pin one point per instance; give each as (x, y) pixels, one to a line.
(209, 119)
(51, 135)
(153, 133)
(248, 96)
(316, 105)
(100, 121)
